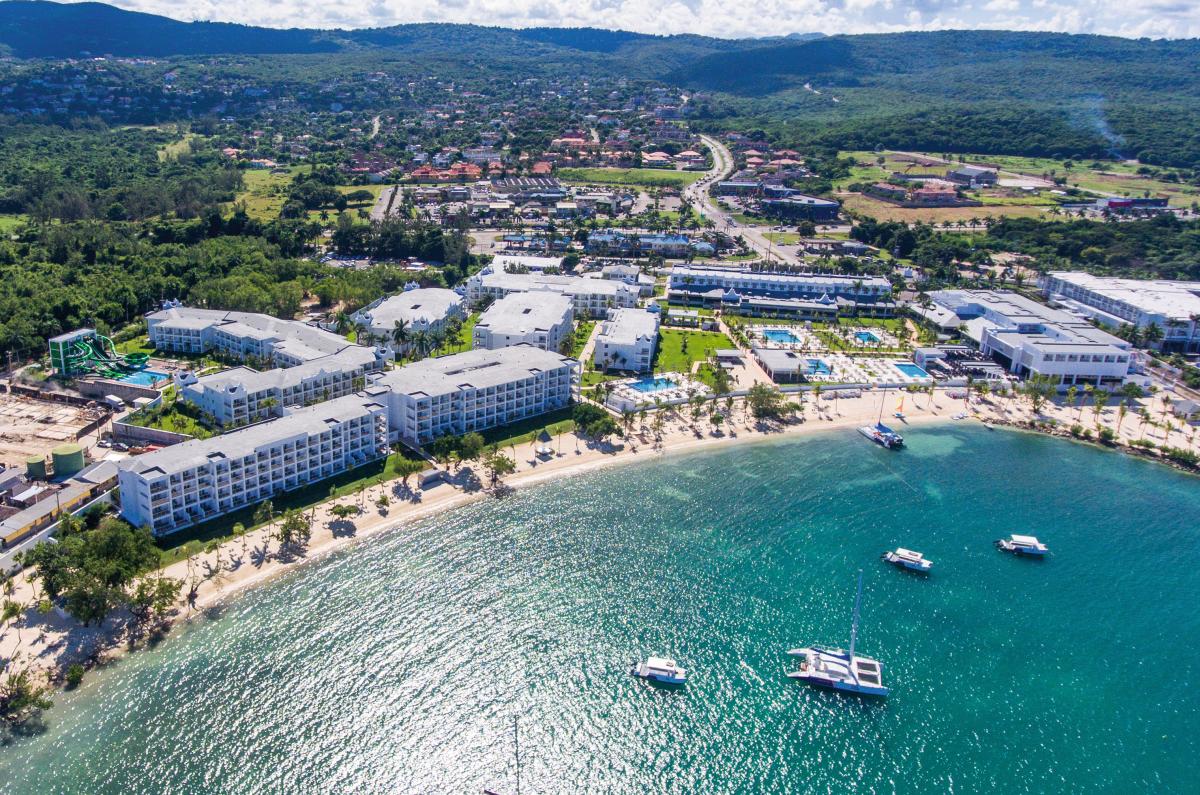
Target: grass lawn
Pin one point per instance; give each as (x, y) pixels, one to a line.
(640, 177)
(135, 345)
(174, 420)
(583, 330)
(10, 222)
(592, 377)
(464, 340)
(673, 358)
(526, 431)
(782, 238)
(264, 193)
(193, 539)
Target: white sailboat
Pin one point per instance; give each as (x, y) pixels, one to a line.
(837, 669)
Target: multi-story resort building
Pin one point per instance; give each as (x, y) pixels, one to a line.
(540, 319)
(240, 396)
(627, 341)
(313, 364)
(421, 309)
(474, 391)
(1174, 307)
(1031, 339)
(241, 335)
(592, 297)
(806, 296)
(178, 486)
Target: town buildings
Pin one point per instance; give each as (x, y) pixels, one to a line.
(1031, 339)
(539, 319)
(1172, 306)
(627, 341)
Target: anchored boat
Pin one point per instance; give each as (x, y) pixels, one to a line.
(1023, 545)
(880, 433)
(907, 559)
(837, 669)
(660, 669)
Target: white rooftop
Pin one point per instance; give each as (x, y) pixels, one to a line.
(627, 326)
(1172, 299)
(426, 305)
(521, 313)
(476, 369)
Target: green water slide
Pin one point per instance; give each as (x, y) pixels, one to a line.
(99, 355)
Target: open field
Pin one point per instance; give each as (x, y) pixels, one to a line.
(884, 211)
(264, 193)
(172, 151)
(642, 177)
(9, 223)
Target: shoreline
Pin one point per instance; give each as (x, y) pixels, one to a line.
(51, 642)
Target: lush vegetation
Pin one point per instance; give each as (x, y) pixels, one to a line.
(640, 177)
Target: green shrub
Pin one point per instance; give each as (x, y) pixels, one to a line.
(74, 676)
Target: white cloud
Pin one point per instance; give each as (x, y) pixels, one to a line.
(724, 18)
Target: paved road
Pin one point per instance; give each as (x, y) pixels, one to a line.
(697, 194)
(381, 204)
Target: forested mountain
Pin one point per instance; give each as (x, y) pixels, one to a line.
(953, 91)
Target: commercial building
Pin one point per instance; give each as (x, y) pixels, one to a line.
(801, 208)
(591, 297)
(178, 486)
(540, 319)
(474, 391)
(1173, 307)
(627, 341)
(973, 176)
(1031, 339)
(808, 296)
(421, 309)
(240, 396)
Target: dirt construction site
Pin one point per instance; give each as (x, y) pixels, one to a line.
(30, 427)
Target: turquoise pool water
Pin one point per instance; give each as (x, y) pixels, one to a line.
(396, 666)
(911, 370)
(818, 367)
(781, 335)
(866, 337)
(144, 377)
(650, 384)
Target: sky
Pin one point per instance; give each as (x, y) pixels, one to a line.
(723, 18)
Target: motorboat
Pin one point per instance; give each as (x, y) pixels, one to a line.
(882, 435)
(1023, 545)
(838, 669)
(907, 559)
(660, 669)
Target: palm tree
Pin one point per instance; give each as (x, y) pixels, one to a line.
(399, 336)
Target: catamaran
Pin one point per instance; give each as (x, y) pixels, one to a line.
(837, 669)
(880, 433)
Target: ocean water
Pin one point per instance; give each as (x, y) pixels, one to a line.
(398, 666)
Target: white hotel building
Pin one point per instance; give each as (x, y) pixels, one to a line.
(591, 297)
(540, 319)
(240, 396)
(1030, 338)
(474, 391)
(426, 309)
(627, 341)
(187, 483)
(1174, 307)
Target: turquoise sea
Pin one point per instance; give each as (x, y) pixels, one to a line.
(398, 666)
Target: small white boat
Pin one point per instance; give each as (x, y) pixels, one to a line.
(988, 425)
(660, 669)
(907, 559)
(841, 670)
(1023, 545)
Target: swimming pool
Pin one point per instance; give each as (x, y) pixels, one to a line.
(144, 378)
(780, 335)
(818, 367)
(911, 370)
(650, 384)
(867, 337)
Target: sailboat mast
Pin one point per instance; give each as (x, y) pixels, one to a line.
(882, 401)
(854, 624)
